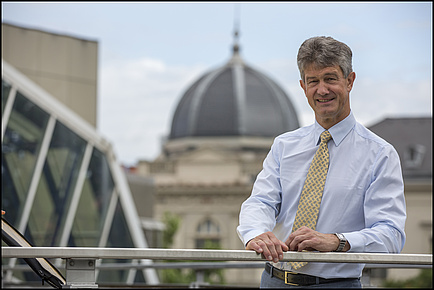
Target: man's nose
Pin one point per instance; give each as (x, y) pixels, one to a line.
(322, 89)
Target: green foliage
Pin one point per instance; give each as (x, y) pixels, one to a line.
(423, 280)
(185, 276)
(172, 223)
(214, 276)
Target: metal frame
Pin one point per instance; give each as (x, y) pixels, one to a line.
(81, 269)
(210, 255)
(58, 112)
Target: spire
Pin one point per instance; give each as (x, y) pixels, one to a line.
(236, 47)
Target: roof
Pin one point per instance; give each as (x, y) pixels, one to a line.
(412, 138)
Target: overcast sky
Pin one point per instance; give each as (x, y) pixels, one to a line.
(150, 53)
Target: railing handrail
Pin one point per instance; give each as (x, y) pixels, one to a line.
(206, 266)
(209, 255)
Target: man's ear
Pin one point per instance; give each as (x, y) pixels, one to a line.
(350, 81)
(303, 86)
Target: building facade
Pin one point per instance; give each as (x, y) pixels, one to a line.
(63, 65)
(412, 138)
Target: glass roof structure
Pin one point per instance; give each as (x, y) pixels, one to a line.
(61, 183)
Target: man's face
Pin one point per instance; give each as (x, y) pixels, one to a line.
(328, 93)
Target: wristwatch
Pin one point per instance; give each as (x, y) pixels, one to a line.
(342, 242)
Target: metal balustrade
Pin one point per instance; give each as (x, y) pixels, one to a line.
(80, 262)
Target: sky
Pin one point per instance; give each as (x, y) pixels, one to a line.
(149, 53)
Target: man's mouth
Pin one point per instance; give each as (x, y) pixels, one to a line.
(324, 100)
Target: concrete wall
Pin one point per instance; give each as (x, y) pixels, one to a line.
(64, 66)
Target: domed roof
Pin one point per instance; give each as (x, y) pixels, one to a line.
(233, 100)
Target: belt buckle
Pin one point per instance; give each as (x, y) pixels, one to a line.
(286, 278)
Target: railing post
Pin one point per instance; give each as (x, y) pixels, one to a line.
(366, 277)
(80, 273)
(200, 279)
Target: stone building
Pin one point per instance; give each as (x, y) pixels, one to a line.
(412, 138)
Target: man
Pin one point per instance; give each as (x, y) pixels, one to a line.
(361, 203)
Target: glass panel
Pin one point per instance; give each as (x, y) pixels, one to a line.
(20, 148)
(5, 94)
(56, 186)
(93, 204)
(140, 278)
(119, 237)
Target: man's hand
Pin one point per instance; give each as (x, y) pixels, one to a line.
(269, 246)
(307, 239)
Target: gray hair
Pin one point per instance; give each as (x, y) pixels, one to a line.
(322, 51)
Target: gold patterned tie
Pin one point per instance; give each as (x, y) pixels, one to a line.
(310, 200)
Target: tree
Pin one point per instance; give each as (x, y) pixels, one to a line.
(184, 276)
(423, 280)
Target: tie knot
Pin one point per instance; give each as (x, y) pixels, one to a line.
(325, 136)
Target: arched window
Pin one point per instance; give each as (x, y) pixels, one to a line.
(207, 235)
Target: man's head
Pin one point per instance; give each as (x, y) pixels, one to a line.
(321, 52)
(326, 78)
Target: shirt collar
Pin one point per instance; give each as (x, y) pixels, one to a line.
(338, 131)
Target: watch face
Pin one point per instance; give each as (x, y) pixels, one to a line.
(341, 237)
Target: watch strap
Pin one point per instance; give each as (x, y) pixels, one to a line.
(342, 242)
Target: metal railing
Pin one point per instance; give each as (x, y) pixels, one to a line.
(80, 262)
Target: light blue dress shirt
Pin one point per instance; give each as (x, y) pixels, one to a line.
(363, 195)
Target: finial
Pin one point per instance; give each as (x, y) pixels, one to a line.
(236, 47)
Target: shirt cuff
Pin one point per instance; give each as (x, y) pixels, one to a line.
(356, 241)
(250, 235)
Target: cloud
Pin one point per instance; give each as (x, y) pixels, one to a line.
(373, 100)
(137, 100)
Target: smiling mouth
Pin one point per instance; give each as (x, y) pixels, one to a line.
(324, 100)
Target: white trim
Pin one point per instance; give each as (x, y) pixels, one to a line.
(240, 95)
(8, 108)
(37, 172)
(72, 210)
(131, 216)
(132, 273)
(107, 225)
(109, 218)
(53, 106)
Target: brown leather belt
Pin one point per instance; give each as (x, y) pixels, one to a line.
(297, 279)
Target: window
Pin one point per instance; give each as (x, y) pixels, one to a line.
(20, 148)
(208, 235)
(414, 155)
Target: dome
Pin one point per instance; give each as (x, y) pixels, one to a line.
(233, 100)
